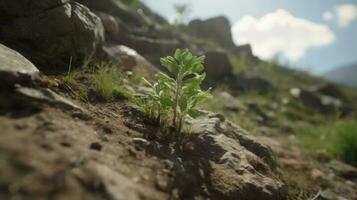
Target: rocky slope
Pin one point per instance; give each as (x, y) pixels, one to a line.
(57, 143)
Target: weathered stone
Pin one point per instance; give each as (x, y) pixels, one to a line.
(52, 35)
(14, 68)
(141, 143)
(230, 103)
(217, 29)
(116, 185)
(45, 96)
(240, 167)
(217, 65)
(22, 8)
(127, 58)
(147, 46)
(109, 22)
(114, 8)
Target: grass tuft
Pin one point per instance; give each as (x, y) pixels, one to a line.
(336, 140)
(105, 79)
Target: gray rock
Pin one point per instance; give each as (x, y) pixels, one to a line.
(117, 186)
(23, 8)
(109, 22)
(114, 8)
(217, 29)
(217, 65)
(241, 167)
(230, 103)
(14, 68)
(127, 58)
(141, 143)
(55, 32)
(147, 46)
(45, 96)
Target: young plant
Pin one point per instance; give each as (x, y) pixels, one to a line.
(181, 93)
(157, 103)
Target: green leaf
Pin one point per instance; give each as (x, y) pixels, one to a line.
(178, 54)
(170, 64)
(194, 113)
(183, 103)
(165, 78)
(147, 82)
(166, 101)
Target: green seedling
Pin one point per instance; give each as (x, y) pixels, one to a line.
(180, 93)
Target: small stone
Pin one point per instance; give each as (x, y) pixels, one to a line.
(21, 126)
(96, 146)
(169, 164)
(132, 152)
(66, 144)
(141, 143)
(317, 174)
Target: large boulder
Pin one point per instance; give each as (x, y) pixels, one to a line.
(217, 29)
(217, 65)
(14, 68)
(20, 8)
(237, 167)
(114, 8)
(50, 32)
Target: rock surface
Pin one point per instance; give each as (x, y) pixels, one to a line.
(46, 96)
(14, 68)
(238, 167)
(50, 32)
(114, 8)
(127, 58)
(217, 65)
(217, 29)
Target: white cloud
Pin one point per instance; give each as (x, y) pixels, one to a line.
(346, 13)
(327, 16)
(281, 32)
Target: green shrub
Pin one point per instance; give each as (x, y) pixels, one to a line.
(177, 97)
(336, 139)
(346, 142)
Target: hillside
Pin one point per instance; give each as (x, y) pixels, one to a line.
(344, 75)
(78, 121)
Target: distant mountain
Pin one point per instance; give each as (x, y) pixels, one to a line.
(345, 75)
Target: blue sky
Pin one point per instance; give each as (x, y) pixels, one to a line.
(321, 45)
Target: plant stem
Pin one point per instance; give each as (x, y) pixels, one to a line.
(177, 97)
